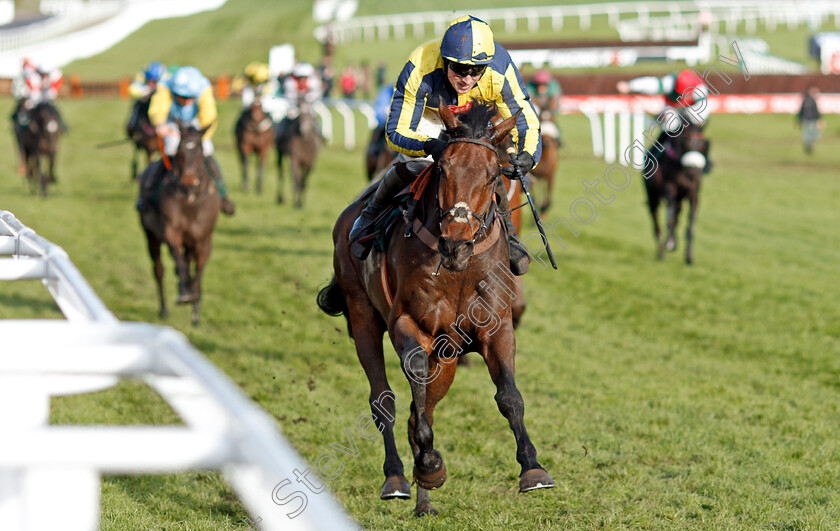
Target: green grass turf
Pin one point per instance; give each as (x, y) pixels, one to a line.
(659, 396)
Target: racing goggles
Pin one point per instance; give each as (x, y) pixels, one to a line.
(462, 70)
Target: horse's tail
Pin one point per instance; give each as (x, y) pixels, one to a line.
(331, 301)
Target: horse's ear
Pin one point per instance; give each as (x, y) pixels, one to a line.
(178, 123)
(204, 130)
(448, 118)
(500, 131)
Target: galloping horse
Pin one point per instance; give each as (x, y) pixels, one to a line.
(300, 141)
(142, 133)
(544, 172)
(184, 219)
(676, 179)
(39, 138)
(439, 293)
(254, 135)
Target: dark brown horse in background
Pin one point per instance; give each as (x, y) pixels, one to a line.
(300, 141)
(254, 135)
(379, 155)
(184, 219)
(431, 310)
(676, 179)
(142, 133)
(39, 139)
(544, 172)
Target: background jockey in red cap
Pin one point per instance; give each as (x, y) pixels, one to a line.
(685, 101)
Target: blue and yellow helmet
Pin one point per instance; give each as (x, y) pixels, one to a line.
(468, 40)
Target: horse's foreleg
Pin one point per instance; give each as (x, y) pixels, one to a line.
(498, 352)
(435, 391)
(40, 177)
(182, 268)
(298, 175)
(674, 209)
(202, 255)
(157, 268)
(689, 230)
(52, 177)
(260, 167)
(243, 161)
(368, 330)
(414, 347)
(279, 176)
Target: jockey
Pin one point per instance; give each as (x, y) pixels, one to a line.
(145, 82)
(301, 85)
(545, 93)
(685, 102)
(465, 64)
(186, 97)
(256, 83)
(36, 84)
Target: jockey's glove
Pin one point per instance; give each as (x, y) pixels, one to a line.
(435, 147)
(523, 161)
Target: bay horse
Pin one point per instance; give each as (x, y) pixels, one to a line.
(425, 291)
(544, 171)
(254, 136)
(39, 139)
(300, 142)
(142, 133)
(183, 219)
(676, 179)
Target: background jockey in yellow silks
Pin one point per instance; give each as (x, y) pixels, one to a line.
(465, 65)
(186, 97)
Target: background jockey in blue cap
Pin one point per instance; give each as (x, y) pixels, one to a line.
(467, 64)
(187, 97)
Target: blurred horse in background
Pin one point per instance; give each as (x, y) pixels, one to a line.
(544, 171)
(254, 135)
(142, 133)
(379, 155)
(676, 179)
(299, 139)
(39, 139)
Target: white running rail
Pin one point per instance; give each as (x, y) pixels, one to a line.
(50, 475)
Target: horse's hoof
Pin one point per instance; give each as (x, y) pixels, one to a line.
(435, 477)
(185, 298)
(534, 479)
(425, 509)
(395, 487)
(279, 199)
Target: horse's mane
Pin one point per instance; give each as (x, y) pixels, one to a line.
(475, 122)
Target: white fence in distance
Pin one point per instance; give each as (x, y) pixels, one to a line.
(635, 20)
(50, 475)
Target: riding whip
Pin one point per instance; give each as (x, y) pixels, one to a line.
(518, 173)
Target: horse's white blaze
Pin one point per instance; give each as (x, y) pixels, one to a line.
(461, 219)
(190, 145)
(693, 159)
(52, 126)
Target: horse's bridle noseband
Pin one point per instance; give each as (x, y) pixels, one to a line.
(455, 211)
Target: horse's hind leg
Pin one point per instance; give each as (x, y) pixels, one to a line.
(499, 352)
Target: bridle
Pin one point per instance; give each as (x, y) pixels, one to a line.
(461, 212)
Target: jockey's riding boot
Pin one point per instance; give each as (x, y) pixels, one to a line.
(520, 260)
(216, 173)
(392, 182)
